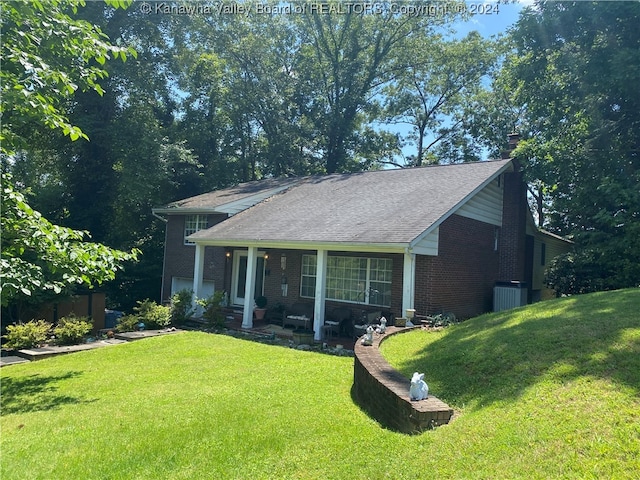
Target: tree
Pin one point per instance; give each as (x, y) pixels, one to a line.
(348, 58)
(41, 260)
(46, 57)
(575, 72)
(442, 77)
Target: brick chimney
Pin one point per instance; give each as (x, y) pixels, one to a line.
(513, 139)
(512, 242)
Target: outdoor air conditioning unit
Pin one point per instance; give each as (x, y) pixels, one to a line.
(508, 295)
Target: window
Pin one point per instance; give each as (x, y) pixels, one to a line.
(351, 279)
(192, 224)
(308, 282)
(543, 254)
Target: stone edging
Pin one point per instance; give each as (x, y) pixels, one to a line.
(383, 392)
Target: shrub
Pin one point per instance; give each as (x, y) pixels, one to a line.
(72, 329)
(181, 307)
(576, 273)
(213, 309)
(127, 323)
(153, 316)
(27, 335)
(261, 302)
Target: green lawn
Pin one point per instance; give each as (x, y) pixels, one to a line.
(549, 391)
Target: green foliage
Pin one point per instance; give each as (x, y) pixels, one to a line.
(41, 260)
(153, 316)
(148, 312)
(181, 307)
(261, 301)
(436, 93)
(27, 335)
(71, 329)
(213, 309)
(581, 118)
(127, 323)
(47, 56)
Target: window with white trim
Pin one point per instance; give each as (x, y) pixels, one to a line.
(351, 279)
(192, 224)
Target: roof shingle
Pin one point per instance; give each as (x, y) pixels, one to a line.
(378, 207)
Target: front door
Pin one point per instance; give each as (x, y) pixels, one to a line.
(239, 277)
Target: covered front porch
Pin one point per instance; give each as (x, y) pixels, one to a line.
(330, 288)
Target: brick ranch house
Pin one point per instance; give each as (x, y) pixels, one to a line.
(435, 238)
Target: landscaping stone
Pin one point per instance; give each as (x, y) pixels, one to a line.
(130, 336)
(12, 360)
(46, 352)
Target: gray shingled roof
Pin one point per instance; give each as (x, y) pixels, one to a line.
(379, 207)
(213, 200)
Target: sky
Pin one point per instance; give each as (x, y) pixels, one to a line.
(490, 18)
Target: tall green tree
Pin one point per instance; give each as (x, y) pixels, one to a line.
(48, 55)
(349, 58)
(41, 260)
(576, 71)
(434, 95)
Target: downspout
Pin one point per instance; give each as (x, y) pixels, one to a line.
(164, 252)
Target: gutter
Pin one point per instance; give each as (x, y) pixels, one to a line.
(158, 216)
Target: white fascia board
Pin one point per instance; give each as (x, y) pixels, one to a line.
(330, 246)
(184, 211)
(436, 224)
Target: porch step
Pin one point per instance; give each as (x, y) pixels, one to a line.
(233, 313)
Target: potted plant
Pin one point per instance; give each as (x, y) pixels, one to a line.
(303, 336)
(260, 310)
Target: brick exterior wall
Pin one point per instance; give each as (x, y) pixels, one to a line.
(461, 278)
(179, 258)
(383, 392)
(513, 232)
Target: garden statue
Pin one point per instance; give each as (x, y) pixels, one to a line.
(419, 389)
(383, 325)
(368, 337)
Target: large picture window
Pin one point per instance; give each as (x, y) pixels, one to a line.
(351, 279)
(192, 224)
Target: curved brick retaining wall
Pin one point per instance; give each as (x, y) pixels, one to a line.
(384, 393)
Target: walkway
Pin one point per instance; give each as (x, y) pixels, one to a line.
(33, 354)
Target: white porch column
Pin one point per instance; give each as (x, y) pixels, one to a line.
(408, 281)
(198, 272)
(321, 288)
(250, 287)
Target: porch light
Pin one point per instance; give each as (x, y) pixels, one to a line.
(283, 261)
(266, 256)
(227, 254)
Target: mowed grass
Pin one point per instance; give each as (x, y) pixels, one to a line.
(548, 391)
(551, 390)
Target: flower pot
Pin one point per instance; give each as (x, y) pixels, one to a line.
(302, 336)
(259, 313)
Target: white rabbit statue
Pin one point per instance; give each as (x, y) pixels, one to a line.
(419, 389)
(368, 337)
(383, 325)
